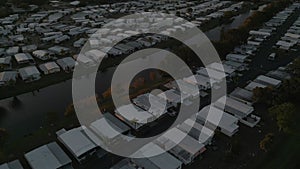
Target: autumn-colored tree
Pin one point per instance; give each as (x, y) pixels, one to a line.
(139, 82)
(152, 76)
(266, 142)
(107, 93)
(69, 110)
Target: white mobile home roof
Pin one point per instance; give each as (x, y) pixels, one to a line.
(48, 66)
(158, 108)
(196, 130)
(200, 80)
(95, 54)
(211, 73)
(21, 57)
(295, 36)
(260, 33)
(77, 141)
(135, 113)
(12, 165)
(49, 156)
(242, 94)
(219, 118)
(162, 161)
(173, 96)
(188, 88)
(268, 80)
(28, 71)
(233, 106)
(99, 126)
(236, 57)
(188, 143)
(66, 62)
(7, 76)
(279, 75)
(123, 164)
(221, 68)
(252, 85)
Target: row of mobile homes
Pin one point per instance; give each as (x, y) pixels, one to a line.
(49, 156)
(238, 109)
(215, 118)
(182, 146)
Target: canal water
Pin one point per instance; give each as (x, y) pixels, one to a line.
(27, 113)
(215, 34)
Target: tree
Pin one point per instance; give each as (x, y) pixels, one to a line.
(3, 135)
(107, 93)
(289, 91)
(263, 95)
(70, 110)
(139, 82)
(266, 142)
(295, 67)
(284, 114)
(152, 76)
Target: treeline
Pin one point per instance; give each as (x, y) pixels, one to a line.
(283, 102)
(235, 37)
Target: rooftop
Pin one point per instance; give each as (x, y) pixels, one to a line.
(49, 156)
